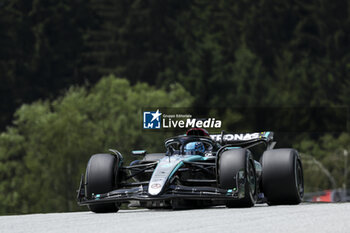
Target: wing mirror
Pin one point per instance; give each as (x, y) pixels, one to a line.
(170, 151)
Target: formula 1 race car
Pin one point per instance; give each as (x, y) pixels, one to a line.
(197, 170)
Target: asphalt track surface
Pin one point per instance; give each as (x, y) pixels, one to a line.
(261, 218)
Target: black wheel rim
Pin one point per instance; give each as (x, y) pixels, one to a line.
(299, 181)
(251, 178)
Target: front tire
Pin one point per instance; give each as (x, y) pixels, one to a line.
(282, 177)
(230, 163)
(100, 178)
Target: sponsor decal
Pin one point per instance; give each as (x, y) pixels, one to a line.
(238, 137)
(156, 186)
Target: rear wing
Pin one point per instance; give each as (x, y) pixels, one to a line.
(242, 138)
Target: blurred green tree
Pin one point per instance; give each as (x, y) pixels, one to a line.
(324, 162)
(44, 153)
(40, 53)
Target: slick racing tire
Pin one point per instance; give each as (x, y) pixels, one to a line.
(282, 177)
(230, 163)
(100, 178)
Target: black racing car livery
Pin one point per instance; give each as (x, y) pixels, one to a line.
(196, 170)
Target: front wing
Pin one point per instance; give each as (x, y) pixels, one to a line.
(173, 192)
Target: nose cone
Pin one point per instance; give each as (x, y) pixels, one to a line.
(155, 188)
(164, 170)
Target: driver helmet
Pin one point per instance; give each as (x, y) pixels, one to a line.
(194, 148)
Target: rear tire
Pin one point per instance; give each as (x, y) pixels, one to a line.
(282, 177)
(229, 164)
(100, 178)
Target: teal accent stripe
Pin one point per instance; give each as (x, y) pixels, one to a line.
(195, 158)
(175, 169)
